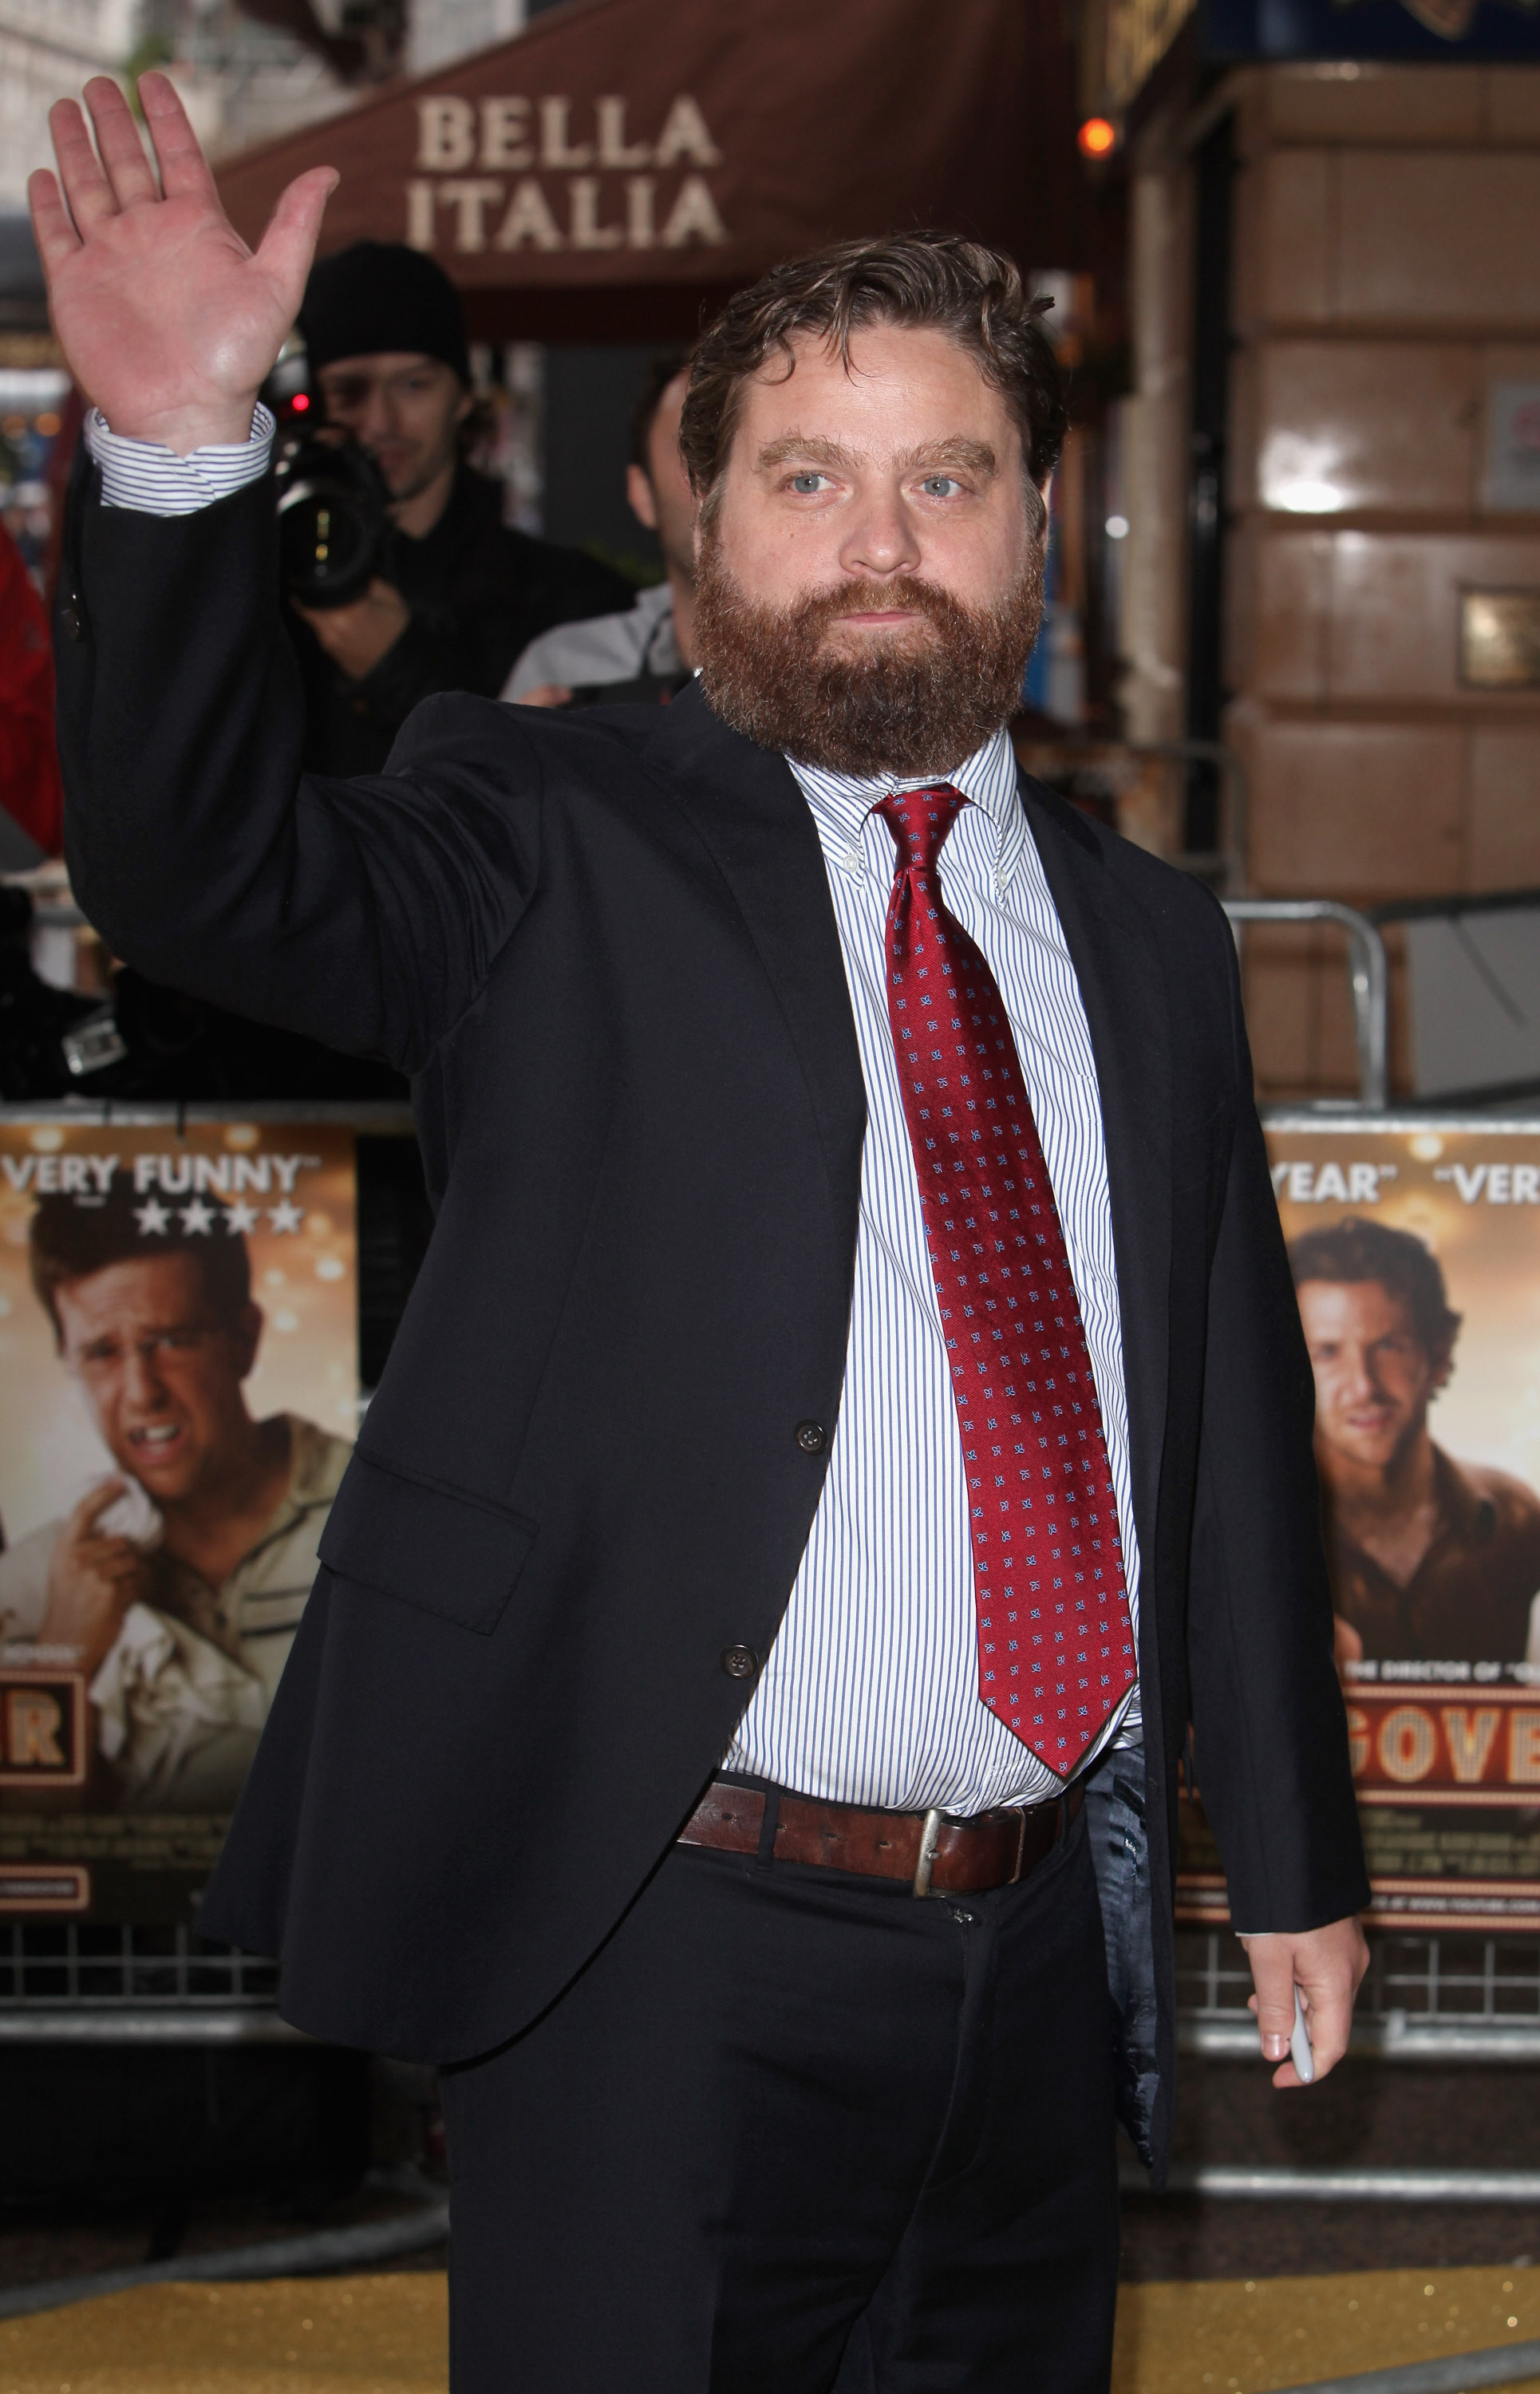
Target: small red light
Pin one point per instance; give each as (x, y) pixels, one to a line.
(300, 402)
(1097, 136)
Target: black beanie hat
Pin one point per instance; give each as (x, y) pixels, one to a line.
(381, 295)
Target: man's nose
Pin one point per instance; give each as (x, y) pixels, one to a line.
(373, 422)
(142, 1381)
(879, 536)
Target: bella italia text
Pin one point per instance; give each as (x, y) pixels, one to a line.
(513, 173)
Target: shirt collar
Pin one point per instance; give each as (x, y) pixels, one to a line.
(842, 803)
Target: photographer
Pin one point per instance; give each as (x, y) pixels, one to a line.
(461, 592)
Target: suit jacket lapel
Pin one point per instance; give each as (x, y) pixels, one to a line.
(1122, 988)
(756, 826)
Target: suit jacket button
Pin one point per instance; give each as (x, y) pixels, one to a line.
(740, 1661)
(811, 1436)
(68, 615)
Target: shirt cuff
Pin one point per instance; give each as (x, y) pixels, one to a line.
(153, 481)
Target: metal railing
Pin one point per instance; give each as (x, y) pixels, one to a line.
(63, 1981)
(1367, 974)
(1425, 1999)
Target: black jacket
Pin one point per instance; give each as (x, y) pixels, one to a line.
(604, 946)
(479, 593)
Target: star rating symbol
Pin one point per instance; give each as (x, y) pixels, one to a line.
(240, 1219)
(285, 1215)
(197, 1218)
(153, 1218)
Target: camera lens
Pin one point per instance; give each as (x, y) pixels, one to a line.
(327, 543)
(331, 521)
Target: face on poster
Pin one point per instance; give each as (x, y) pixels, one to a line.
(178, 1386)
(1415, 1253)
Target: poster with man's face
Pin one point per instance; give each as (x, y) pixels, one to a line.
(179, 1397)
(1416, 1253)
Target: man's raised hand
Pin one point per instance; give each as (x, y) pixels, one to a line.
(167, 321)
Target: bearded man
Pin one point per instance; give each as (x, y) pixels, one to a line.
(854, 1399)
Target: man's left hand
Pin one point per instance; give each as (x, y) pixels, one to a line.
(356, 638)
(1327, 1966)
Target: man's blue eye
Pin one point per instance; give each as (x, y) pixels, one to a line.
(806, 483)
(939, 484)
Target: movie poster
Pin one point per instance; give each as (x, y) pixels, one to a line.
(179, 1397)
(1416, 1250)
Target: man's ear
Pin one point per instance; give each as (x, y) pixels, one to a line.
(1443, 1361)
(638, 493)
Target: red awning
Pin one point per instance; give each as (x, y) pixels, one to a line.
(624, 161)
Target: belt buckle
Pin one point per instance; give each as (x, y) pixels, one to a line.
(930, 1831)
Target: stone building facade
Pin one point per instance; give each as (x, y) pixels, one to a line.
(1382, 296)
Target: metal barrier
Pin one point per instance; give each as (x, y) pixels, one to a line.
(1426, 1998)
(72, 1982)
(1367, 972)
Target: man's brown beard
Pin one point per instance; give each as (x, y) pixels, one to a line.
(906, 706)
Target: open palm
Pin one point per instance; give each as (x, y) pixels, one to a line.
(167, 321)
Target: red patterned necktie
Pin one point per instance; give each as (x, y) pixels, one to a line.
(1055, 1646)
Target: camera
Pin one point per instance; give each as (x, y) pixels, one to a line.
(334, 522)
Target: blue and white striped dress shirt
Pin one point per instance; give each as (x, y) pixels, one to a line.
(870, 1693)
(152, 478)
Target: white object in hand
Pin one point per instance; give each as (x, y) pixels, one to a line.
(1299, 2044)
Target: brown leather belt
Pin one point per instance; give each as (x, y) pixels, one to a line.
(936, 1854)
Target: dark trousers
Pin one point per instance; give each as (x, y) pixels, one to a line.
(793, 2131)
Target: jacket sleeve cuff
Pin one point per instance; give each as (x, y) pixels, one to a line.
(153, 481)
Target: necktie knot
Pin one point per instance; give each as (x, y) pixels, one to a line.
(919, 820)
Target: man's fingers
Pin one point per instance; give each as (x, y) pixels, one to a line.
(128, 170)
(92, 1505)
(1328, 1964)
(1329, 2017)
(107, 1550)
(88, 192)
(1271, 1962)
(289, 243)
(110, 1559)
(55, 235)
(184, 169)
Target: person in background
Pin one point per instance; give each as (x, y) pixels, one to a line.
(385, 333)
(31, 792)
(648, 652)
(1431, 1561)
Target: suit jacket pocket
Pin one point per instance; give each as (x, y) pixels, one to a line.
(451, 1553)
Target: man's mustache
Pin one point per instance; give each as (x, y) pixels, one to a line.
(818, 608)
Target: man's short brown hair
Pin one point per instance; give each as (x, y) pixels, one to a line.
(1355, 1250)
(930, 281)
(69, 1242)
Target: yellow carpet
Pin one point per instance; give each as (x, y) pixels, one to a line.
(1225, 2336)
(386, 2335)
